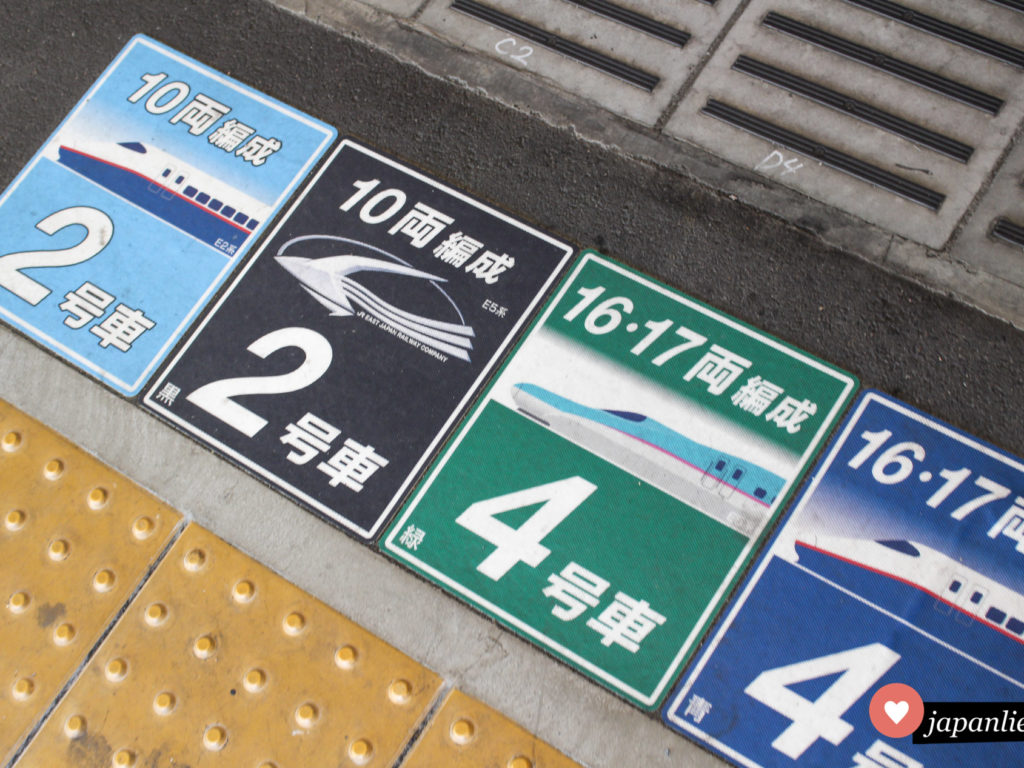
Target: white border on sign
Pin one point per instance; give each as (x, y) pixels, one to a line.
(471, 392)
(646, 699)
(132, 388)
(755, 576)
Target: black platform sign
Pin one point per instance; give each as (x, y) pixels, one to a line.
(347, 348)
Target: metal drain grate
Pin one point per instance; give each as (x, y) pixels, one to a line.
(914, 74)
(952, 32)
(583, 54)
(635, 20)
(630, 57)
(1017, 5)
(1008, 231)
(896, 123)
(827, 155)
(855, 107)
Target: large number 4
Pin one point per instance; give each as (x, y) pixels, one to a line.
(822, 718)
(523, 544)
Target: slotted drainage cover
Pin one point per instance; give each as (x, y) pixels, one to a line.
(630, 56)
(896, 112)
(993, 239)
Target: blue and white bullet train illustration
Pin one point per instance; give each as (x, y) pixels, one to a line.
(733, 491)
(957, 590)
(180, 194)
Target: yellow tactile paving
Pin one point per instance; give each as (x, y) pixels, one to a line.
(466, 733)
(75, 540)
(220, 662)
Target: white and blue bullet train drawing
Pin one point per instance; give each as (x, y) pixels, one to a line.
(733, 491)
(162, 184)
(857, 564)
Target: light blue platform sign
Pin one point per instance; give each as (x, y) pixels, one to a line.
(145, 198)
(902, 562)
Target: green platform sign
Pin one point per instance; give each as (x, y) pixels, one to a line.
(618, 474)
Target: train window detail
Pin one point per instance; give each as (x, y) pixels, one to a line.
(134, 146)
(976, 597)
(995, 615)
(215, 205)
(190, 191)
(179, 180)
(627, 415)
(1015, 625)
(252, 224)
(903, 547)
(240, 218)
(954, 586)
(737, 474)
(760, 493)
(720, 465)
(166, 173)
(202, 197)
(228, 212)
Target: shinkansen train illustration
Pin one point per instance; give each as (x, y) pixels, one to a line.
(180, 194)
(953, 585)
(329, 280)
(733, 491)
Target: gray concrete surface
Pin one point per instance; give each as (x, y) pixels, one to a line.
(852, 216)
(912, 342)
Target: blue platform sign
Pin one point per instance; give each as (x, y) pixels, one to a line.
(901, 565)
(140, 204)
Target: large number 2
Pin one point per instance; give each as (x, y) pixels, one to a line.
(98, 231)
(822, 718)
(523, 544)
(215, 397)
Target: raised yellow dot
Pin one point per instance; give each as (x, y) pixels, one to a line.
(268, 764)
(104, 580)
(116, 670)
(360, 751)
(399, 691)
(123, 758)
(97, 498)
(215, 738)
(15, 519)
(143, 527)
(58, 550)
(520, 762)
(194, 560)
(306, 715)
(156, 614)
(346, 657)
(53, 469)
(74, 726)
(23, 688)
(243, 591)
(64, 634)
(18, 602)
(204, 647)
(254, 680)
(462, 731)
(294, 623)
(11, 441)
(164, 703)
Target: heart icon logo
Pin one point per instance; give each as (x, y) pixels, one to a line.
(896, 710)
